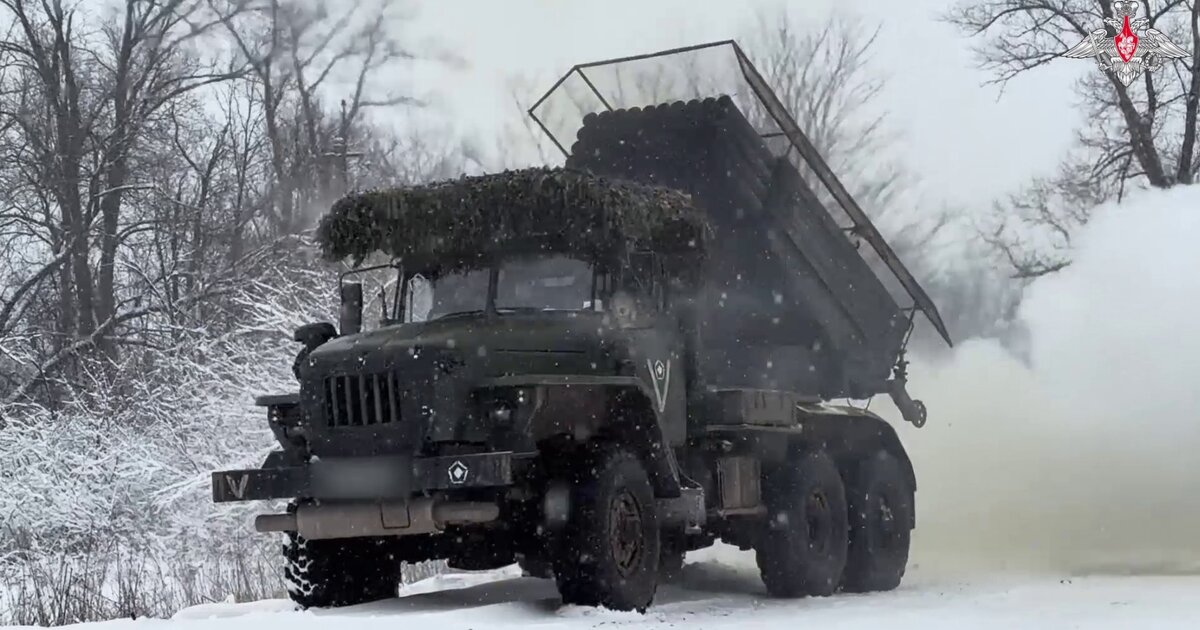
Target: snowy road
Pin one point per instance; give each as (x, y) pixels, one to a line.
(720, 595)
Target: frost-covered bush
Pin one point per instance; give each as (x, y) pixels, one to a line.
(112, 486)
(133, 459)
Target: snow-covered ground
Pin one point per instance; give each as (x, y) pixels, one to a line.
(721, 590)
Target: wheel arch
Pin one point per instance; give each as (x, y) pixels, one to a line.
(848, 434)
(633, 420)
(614, 408)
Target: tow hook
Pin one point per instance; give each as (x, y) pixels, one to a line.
(911, 410)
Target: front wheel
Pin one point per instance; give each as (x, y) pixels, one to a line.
(333, 573)
(610, 549)
(802, 550)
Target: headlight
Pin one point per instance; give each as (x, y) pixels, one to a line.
(501, 413)
(504, 406)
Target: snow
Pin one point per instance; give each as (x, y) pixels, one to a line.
(720, 589)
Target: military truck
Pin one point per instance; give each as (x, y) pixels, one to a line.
(592, 370)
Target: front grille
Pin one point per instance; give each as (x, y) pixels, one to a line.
(362, 400)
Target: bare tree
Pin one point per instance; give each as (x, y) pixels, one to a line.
(135, 205)
(295, 49)
(1143, 134)
(1031, 230)
(78, 110)
(825, 77)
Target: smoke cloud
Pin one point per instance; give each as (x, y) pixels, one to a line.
(1086, 460)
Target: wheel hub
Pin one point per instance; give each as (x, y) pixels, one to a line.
(816, 516)
(885, 521)
(625, 532)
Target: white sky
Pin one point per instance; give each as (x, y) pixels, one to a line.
(967, 145)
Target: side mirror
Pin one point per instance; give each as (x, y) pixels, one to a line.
(312, 336)
(351, 315)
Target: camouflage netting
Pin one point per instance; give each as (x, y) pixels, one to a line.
(459, 223)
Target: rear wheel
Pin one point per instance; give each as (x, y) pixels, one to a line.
(332, 573)
(609, 551)
(881, 507)
(802, 550)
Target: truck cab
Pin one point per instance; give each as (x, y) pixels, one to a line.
(463, 349)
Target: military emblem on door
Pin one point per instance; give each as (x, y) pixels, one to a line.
(660, 377)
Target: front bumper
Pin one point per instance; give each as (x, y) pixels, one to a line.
(369, 478)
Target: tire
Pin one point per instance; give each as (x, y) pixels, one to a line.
(881, 507)
(802, 550)
(334, 573)
(609, 551)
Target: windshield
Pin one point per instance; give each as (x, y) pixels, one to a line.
(462, 292)
(551, 283)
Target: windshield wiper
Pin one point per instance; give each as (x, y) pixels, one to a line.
(457, 315)
(536, 309)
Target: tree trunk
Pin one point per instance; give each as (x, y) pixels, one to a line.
(1186, 169)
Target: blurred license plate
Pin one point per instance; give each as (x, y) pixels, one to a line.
(361, 477)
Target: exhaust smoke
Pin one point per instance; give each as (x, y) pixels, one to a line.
(1088, 459)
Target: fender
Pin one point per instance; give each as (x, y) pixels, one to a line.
(312, 336)
(845, 431)
(642, 425)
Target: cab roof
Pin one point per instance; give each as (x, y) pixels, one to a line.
(461, 223)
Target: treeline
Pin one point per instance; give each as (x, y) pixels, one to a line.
(150, 152)
(161, 165)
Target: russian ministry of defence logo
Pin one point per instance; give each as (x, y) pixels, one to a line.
(1135, 49)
